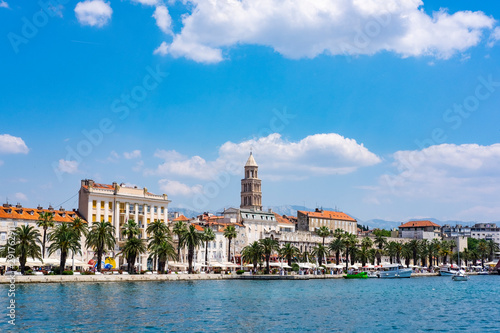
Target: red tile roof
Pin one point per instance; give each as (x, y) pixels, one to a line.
(33, 214)
(282, 220)
(419, 224)
(180, 218)
(326, 214)
(198, 227)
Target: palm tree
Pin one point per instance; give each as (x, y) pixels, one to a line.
(80, 228)
(230, 233)
(336, 246)
(268, 247)
(191, 238)
(65, 239)
(179, 228)
(26, 245)
(288, 251)
(380, 241)
(407, 253)
(164, 251)
(45, 220)
(133, 247)
(366, 244)
(101, 238)
(253, 253)
(160, 233)
(414, 245)
(433, 251)
(350, 241)
(372, 253)
(391, 249)
(482, 250)
(398, 248)
(423, 251)
(492, 248)
(130, 229)
(208, 236)
(320, 251)
(323, 232)
(445, 249)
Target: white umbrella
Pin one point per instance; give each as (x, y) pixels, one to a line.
(274, 264)
(249, 265)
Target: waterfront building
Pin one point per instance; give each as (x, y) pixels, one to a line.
(420, 230)
(12, 217)
(488, 231)
(119, 203)
(311, 221)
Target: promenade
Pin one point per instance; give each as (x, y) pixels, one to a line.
(170, 277)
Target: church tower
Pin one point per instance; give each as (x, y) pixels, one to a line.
(251, 195)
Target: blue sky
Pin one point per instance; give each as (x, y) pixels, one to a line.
(385, 109)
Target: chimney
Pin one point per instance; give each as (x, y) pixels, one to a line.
(19, 205)
(6, 205)
(39, 207)
(50, 208)
(61, 209)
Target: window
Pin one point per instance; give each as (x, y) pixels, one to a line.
(3, 235)
(94, 218)
(94, 204)
(110, 204)
(155, 209)
(15, 223)
(161, 210)
(102, 204)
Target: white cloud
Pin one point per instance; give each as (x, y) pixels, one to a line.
(494, 37)
(173, 187)
(163, 19)
(4, 4)
(70, 167)
(138, 166)
(306, 29)
(93, 12)
(21, 196)
(162, 49)
(146, 2)
(12, 145)
(467, 173)
(318, 154)
(133, 154)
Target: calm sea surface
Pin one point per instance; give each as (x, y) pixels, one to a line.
(374, 305)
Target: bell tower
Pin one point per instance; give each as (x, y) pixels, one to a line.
(251, 195)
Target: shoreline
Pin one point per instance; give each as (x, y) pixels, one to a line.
(24, 279)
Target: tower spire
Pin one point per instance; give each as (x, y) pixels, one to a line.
(251, 195)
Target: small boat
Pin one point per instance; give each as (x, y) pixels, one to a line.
(356, 275)
(373, 274)
(460, 276)
(394, 271)
(447, 270)
(482, 273)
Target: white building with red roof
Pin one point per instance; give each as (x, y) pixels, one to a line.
(420, 230)
(311, 221)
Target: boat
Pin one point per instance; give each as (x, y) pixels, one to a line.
(394, 271)
(447, 270)
(460, 276)
(373, 274)
(356, 275)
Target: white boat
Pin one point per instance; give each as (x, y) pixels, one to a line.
(394, 271)
(372, 274)
(460, 276)
(447, 270)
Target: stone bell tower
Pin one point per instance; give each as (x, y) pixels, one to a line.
(251, 195)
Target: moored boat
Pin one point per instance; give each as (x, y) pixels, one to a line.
(460, 276)
(447, 270)
(357, 275)
(394, 271)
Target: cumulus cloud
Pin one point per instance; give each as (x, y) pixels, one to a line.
(447, 172)
(306, 29)
(146, 2)
(66, 166)
(4, 4)
(12, 145)
(173, 187)
(318, 154)
(494, 37)
(93, 12)
(133, 154)
(163, 19)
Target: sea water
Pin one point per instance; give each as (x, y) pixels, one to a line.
(373, 305)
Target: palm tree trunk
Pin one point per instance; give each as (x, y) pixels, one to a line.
(99, 258)
(267, 263)
(62, 262)
(229, 251)
(289, 261)
(22, 263)
(206, 256)
(190, 259)
(347, 259)
(44, 240)
(337, 257)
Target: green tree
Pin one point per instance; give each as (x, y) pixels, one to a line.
(350, 241)
(445, 250)
(191, 238)
(423, 251)
(407, 253)
(130, 229)
(179, 228)
(380, 242)
(320, 251)
(253, 253)
(482, 250)
(391, 248)
(101, 239)
(268, 247)
(492, 248)
(208, 236)
(288, 251)
(65, 239)
(158, 232)
(164, 251)
(433, 252)
(26, 245)
(230, 233)
(45, 220)
(133, 248)
(366, 245)
(414, 245)
(323, 232)
(337, 244)
(81, 229)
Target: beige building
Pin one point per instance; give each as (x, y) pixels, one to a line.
(310, 221)
(117, 204)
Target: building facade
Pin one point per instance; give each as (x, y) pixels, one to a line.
(251, 191)
(119, 203)
(420, 230)
(311, 221)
